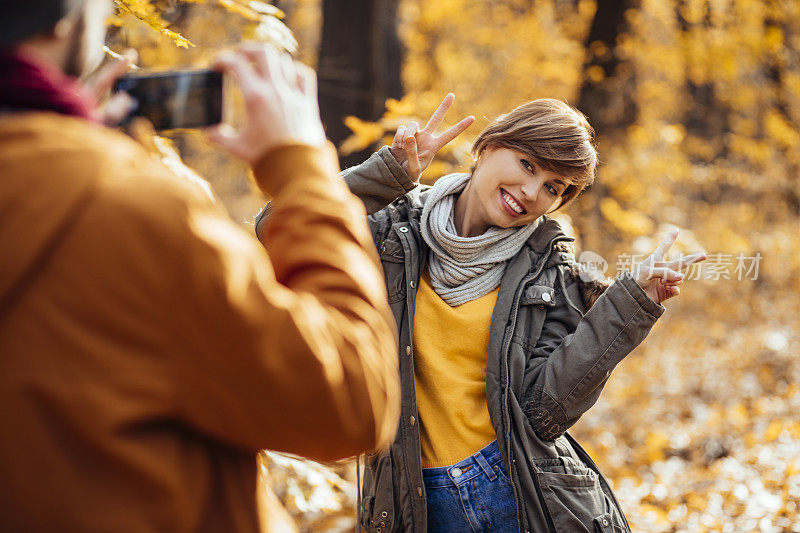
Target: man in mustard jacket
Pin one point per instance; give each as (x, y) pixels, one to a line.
(148, 346)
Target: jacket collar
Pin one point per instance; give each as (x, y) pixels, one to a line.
(548, 230)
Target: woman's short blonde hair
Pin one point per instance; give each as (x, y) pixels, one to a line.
(555, 135)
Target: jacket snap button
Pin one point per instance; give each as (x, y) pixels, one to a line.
(456, 472)
(404, 229)
(384, 514)
(408, 350)
(413, 421)
(605, 521)
(419, 491)
(383, 524)
(546, 297)
(413, 284)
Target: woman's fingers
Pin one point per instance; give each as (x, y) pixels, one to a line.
(665, 245)
(672, 291)
(454, 132)
(411, 129)
(666, 274)
(438, 115)
(412, 154)
(685, 261)
(399, 137)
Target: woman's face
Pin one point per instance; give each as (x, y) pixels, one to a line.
(509, 189)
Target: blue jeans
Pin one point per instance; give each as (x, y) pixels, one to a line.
(471, 495)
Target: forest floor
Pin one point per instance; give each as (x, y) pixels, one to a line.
(699, 428)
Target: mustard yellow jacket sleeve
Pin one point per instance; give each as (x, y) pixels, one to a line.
(290, 345)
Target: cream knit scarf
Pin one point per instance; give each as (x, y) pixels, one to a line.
(465, 268)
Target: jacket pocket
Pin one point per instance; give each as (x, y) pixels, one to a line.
(536, 300)
(394, 273)
(378, 506)
(574, 498)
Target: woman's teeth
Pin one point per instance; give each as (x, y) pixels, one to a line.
(512, 203)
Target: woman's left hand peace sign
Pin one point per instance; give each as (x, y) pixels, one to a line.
(660, 279)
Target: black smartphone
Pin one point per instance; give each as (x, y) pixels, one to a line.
(175, 99)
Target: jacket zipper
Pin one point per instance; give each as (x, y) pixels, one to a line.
(506, 386)
(405, 238)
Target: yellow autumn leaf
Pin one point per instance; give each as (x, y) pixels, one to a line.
(364, 134)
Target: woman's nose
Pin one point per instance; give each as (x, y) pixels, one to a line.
(530, 191)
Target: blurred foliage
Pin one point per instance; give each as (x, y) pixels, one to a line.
(698, 428)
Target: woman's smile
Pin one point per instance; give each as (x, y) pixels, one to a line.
(511, 205)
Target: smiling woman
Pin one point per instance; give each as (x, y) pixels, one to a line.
(498, 354)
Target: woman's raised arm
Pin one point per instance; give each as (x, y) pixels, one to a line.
(393, 171)
(575, 355)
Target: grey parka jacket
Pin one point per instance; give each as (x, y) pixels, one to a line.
(547, 362)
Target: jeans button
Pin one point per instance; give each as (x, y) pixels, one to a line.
(456, 472)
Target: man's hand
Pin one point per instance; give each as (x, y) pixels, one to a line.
(100, 83)
(414, 148)
(280, 96)
(661, 279)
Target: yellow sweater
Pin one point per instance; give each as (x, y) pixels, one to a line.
(450, 346)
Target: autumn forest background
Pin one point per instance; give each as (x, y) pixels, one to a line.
(696, 104)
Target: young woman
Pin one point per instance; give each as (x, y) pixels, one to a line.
(499, 351)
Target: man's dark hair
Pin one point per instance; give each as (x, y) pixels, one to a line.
(23, 19)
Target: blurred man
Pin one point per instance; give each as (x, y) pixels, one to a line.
(148, 346)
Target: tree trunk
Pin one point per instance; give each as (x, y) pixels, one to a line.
(359, 64)
(605, 99)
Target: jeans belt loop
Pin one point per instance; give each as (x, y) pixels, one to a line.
(484, 464)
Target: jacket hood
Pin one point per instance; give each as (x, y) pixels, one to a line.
(37, 201)
(547, 230)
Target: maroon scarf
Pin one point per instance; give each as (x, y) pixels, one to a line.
(30, 82)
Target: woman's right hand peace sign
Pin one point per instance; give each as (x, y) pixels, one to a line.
(661, 279)
(414, 148)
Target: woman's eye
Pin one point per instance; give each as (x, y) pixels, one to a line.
(526, 164)
(552, 190)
